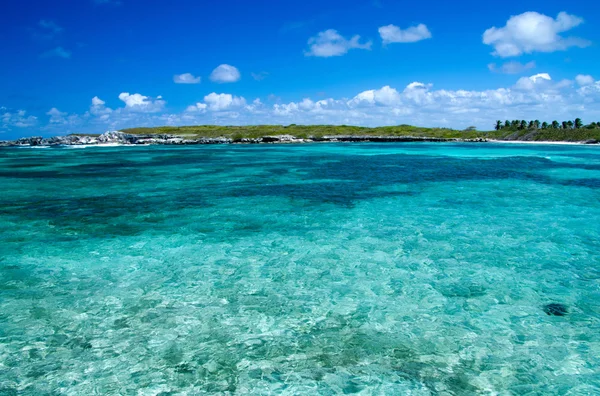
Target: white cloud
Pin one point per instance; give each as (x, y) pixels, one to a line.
(512, 67)
(58, 52)
(96, 101)
(98, 107)
(529, 83)
(533, 32)
(385, 96)
(331, 43)
(393, 34)
(18, 119)
(56, 116)
(417, 103)
(215, 102)
(198, 107)
(225, 74)
(222, 102)
(141, 103)
(186, 78)
(584, 80)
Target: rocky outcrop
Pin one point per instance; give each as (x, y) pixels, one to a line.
(272, 139)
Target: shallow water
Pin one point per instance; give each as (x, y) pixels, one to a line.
(414, 268)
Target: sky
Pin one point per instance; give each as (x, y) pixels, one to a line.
(88, 66)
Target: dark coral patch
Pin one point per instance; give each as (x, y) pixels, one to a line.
(556, 309)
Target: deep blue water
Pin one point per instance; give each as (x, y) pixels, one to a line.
(416, 268)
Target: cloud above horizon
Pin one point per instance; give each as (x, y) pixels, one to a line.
(186, 78)
(218, 102)
(533, 32)
(330, 43)
(393, 34)
(225, 74)
(15, 119)
(418, 103)
(512, 67)
(140, 103)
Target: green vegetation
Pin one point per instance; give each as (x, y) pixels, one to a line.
(508, 130)
(517, 125)
(544, 131)
(302, 131)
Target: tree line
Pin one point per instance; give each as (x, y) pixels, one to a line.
(535, 124)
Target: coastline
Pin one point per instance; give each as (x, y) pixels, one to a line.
(118, 139)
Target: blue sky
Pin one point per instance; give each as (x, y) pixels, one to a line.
(95, 65)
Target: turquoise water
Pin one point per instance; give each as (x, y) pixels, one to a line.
(418, 269)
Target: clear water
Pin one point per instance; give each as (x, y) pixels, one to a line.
(417, 269)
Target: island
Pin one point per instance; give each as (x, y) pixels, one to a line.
(508, 131)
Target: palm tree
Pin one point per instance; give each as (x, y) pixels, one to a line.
(555, 124)
(578, 123)
(498, 125)
(515, 123)
(530, 125)
(507, 124)
(536, 124)
(544, 125)
(570, 124)
(523, 124)
(565, 125)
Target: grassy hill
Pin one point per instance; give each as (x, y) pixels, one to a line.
(300, 131)
(305, 131)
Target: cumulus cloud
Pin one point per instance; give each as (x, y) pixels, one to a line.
(393, 34)
(18, 119)
(529, 83)
(222, 102)
(385, 96)
(96, 101)
(56, 116)
(584, 80)
(331, 43)
(98, 107)
(589, 90)
(58, 52)
(225, 74)
(186, 78)
(215, 102)
(533, 32)
(417, 103)
(141, 103)
(512, 67)
(197, 108)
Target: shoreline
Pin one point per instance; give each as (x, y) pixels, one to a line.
(121, 139)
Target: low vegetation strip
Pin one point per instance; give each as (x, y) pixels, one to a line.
(211, 134)
(568, 134)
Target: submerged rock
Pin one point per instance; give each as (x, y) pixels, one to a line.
(556, 309)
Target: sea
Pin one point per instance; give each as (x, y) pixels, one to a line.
(321, 268)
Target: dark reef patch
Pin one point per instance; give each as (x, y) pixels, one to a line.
(556, 309)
